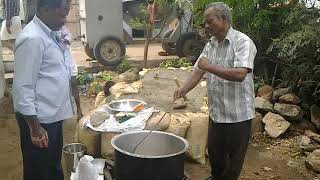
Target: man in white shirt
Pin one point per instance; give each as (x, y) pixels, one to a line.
(42, 92)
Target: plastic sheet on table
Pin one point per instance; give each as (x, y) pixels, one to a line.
(136, 123)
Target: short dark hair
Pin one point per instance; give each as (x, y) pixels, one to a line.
(50, 3)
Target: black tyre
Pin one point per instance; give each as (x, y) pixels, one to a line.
(89, 51)
(168, 47)
(109, 51)
(189, 45)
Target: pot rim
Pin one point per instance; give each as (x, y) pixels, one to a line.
(146, 156)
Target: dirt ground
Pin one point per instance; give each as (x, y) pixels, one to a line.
(266, 159)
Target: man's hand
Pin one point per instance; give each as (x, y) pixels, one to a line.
(179, 93)
(66, 42)
(8, 25)
(79, 114)
(39, 137)
(203, 64)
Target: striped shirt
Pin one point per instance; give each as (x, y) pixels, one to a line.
(11, 8)
(229, 101)
(30, 9)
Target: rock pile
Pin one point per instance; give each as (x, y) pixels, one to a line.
(279, 111)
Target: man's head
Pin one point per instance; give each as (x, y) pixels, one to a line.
(53, 12)
(218, 18)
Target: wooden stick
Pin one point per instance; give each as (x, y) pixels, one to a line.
(178, 85)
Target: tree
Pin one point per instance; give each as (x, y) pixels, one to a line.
(298, 47)
(285, 30)
(259, 19)
(143, 21)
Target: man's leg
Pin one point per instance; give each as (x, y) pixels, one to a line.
(55, 133)
(239, 134)
(217, 152)
(34, 159)
(76, 96)
(41, 164)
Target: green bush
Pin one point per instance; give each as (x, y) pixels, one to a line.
(106, 76)
(176, 63)
(124, 66)
(261, 20)
(298, 48)
(95, 88)
(84, 77)
(258, 83)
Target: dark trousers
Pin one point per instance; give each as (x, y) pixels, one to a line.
(41, 164)
(227, 145)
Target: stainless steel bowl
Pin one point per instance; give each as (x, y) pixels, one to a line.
(124, 105)
(72, 153)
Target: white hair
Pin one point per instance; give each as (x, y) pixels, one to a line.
(223, 10)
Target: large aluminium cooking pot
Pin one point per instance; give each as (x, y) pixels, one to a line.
(159, 157)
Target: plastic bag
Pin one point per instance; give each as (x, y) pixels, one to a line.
(86, 169)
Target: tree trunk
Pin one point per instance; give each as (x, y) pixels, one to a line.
(146, 45)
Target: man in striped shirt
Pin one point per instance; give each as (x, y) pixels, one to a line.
(15, 11)
(12, 8)
(11, 26)
(227, 60)
(30, 8)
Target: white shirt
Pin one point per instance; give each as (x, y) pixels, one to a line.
(229, 101)
(66, 35)
(41, 84)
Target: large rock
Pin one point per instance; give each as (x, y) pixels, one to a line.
(266, 92)
(315, 115)
(257, 125)
(275, 124)
(291, 111)
(313, 160)
(124, 88)
(279, 92)
(263, 104)
(305, 141)
(290, 99)
(306, 144)
(313, 136)
(130, 76)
